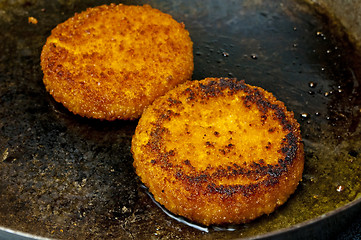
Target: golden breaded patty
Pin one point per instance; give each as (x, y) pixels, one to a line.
(218, 151)
(111, 61)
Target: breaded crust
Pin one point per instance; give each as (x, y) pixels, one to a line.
(111, 61)
(218, 151)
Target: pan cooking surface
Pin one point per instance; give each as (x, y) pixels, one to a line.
(64, 176)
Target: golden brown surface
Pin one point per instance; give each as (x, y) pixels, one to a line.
(111, 61)
(218, 151)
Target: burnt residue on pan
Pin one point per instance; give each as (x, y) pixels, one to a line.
(67, 177)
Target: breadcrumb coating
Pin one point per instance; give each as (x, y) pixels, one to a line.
(218, 151)
(111, 61)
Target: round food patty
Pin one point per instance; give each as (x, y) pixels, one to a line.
(218, 151)
(111, 61)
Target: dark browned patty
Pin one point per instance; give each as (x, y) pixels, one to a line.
(218, 151)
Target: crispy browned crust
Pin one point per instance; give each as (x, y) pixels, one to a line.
(218, 151)
(111, 61)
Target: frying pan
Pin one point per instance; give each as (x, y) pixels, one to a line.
(67, 177)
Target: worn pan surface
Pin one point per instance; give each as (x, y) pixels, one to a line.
(67, 177)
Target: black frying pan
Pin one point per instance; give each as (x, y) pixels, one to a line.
(67, 177)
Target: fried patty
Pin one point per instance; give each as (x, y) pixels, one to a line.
(111, 61)
(218, 151)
